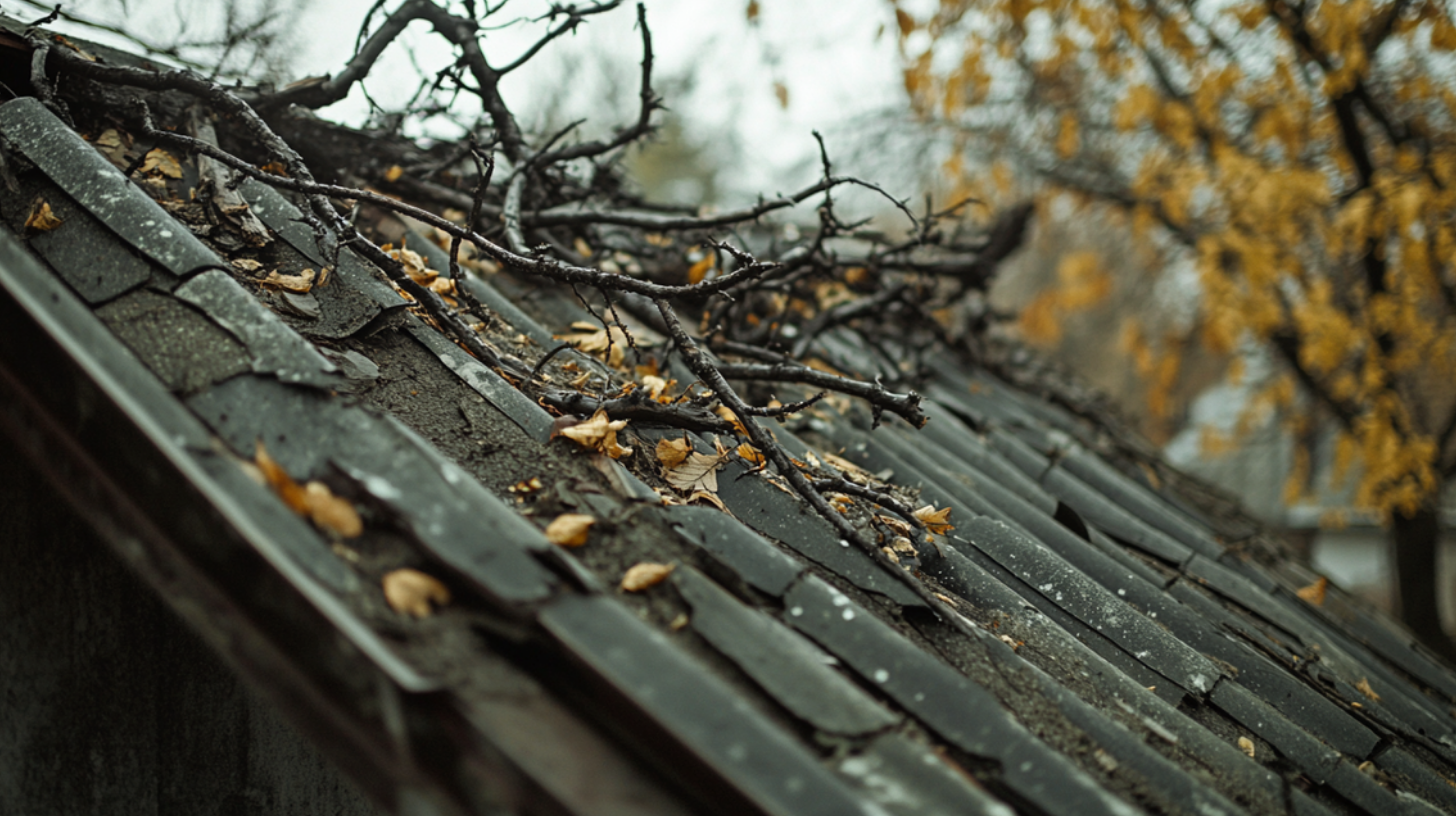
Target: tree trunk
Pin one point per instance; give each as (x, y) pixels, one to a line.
(1414, 540)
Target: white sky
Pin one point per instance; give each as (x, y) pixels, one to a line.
(826, 52)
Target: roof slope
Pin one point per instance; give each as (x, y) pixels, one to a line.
(1118, 651)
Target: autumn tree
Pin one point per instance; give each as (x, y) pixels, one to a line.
(1301, 156)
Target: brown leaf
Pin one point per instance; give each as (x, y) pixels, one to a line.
(414, 265)
(843, 465)
(751, 454)
(698, 472)
(330, 512)
(710, 498)
(247, 265)
(598, 433)
(1364, 688)
(731, 418)
(160, 162)
(644, 575)
(41, 218)
(277, 478)
(411, 592)
(569, 529)
(393, 173)
(1314, 594)
(609, 344)
(302, 282)
(671, 452)
(781, 92)
(936, 521)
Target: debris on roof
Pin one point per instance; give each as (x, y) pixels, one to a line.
(1071, 638)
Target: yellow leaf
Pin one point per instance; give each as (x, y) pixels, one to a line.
(671, 452)
(41, 218)
(1247, 746)
(598, 433)
(1315, 592)
(412, 592)
(160, 162)
(750, 453)
(582, 248)
(569, 529)
(699, 270)
(1364, 688)
(644, 575)
(936, 521)
(330, 512)
(393, 173)
(278, 479)
(752, 11)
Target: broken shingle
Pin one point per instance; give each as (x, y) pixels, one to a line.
(759, 765)
(757, 561)
(275, 348)
(92, 181)
(183, 348)
(793, 671)
(946, 701)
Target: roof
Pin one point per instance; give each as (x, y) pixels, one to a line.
(1120, 645)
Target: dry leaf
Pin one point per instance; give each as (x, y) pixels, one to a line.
(598, 433)
(781, 92)
(699, 270)
(609, 344)
(302, 282)
(658, 388)
(671, 452)
(582, 248)
(843, 465)
(731, 418)
(569, 529)
(160, 162)
(698, 472)
(1364, 688)
(1247, 746)
(330, 512)
(411, 592)
(751, 454)
(277, 478)
(644, 575)
(530, 485)
(414, 265)
(393, 173)
(1315, 592)
(895, 524)
(41, 218)
(247, 265)
(936, 521)
(710, 498)
(276, 168)
(314, 501)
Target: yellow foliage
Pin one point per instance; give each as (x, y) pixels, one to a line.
(1341, 249)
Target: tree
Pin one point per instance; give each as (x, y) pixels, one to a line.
(1300, 156)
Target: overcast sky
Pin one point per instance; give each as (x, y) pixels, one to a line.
(831, 55)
